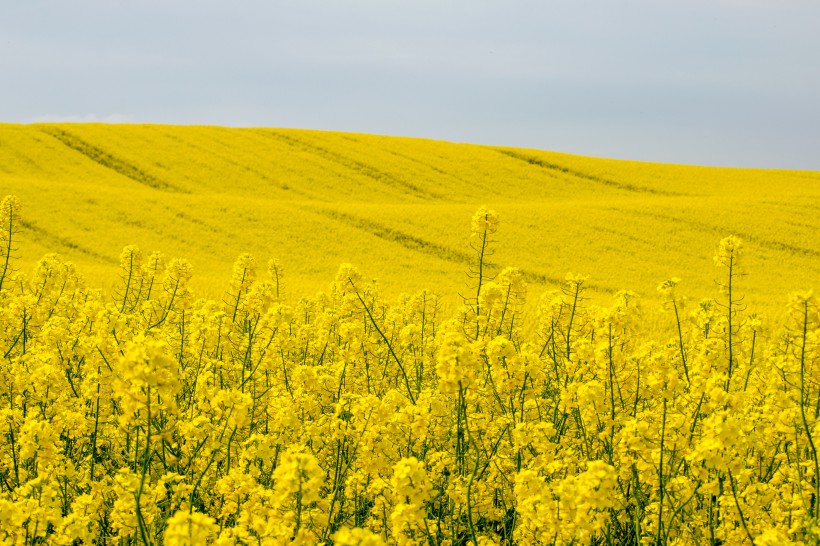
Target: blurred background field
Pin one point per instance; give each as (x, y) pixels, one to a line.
(399, 209)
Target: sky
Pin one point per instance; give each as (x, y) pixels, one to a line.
(710, 82)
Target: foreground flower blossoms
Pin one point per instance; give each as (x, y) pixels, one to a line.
(146, 416)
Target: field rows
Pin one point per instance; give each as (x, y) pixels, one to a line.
(396, 207)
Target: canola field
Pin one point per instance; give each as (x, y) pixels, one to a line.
(538, 407)
(146, 416)
(395, 207)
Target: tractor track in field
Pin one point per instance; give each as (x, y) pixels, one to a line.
(417, 244)
(356, 166)
(634, 188)
(222, 152)
(42, 235)
(111, 162)
(410, 158)
(723, 231)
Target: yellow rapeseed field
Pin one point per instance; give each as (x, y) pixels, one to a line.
(303, 402)
(395, 208)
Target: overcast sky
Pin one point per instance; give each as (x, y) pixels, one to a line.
(718, 82)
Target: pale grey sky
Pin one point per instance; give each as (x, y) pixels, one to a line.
(718, 82)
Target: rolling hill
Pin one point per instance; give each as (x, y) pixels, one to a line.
(398, 208)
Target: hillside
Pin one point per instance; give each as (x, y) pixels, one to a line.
(398, 208)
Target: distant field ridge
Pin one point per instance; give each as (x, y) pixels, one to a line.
(396, 207)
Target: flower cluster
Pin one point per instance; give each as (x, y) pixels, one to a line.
(147, 416)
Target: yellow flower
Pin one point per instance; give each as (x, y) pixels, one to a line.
(188, 528)
(728, 252)
(455, 363)
(485, 221)
(356, 537)
(667, 288)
